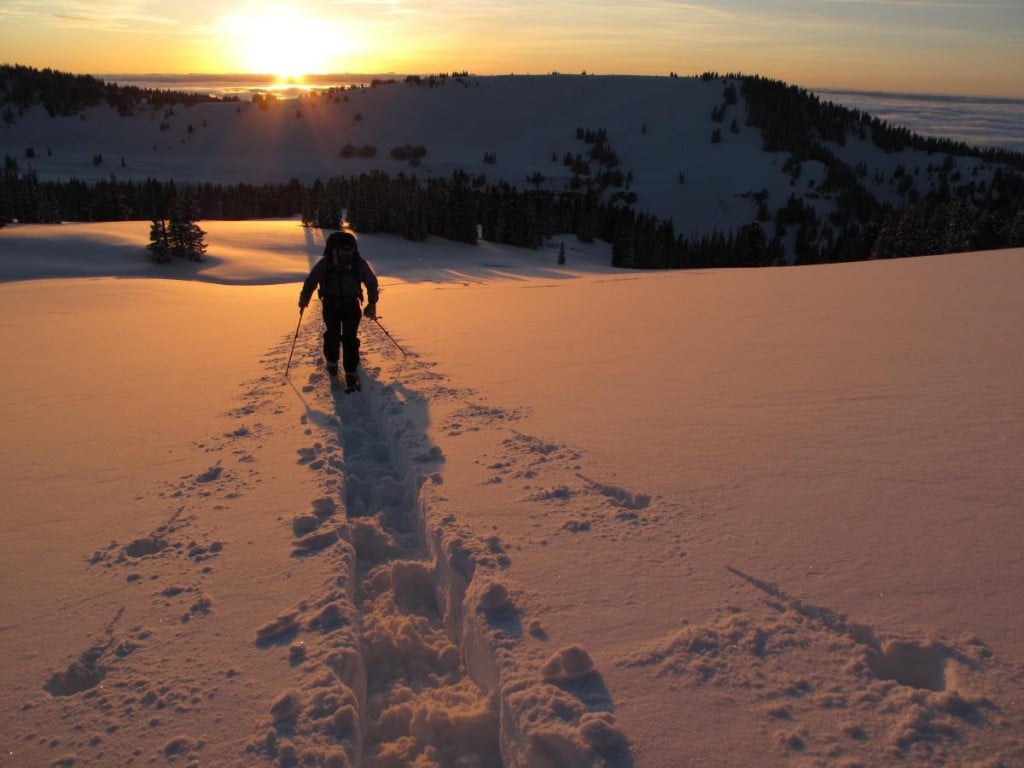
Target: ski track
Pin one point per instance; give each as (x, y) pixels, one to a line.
(411, 650)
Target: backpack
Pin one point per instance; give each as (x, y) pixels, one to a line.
(341, 285)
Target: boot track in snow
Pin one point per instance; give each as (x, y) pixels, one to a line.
(415, 653)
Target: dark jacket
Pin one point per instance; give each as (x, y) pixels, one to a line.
(336, 284)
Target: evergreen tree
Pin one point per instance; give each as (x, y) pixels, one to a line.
(159, 241)
(586, 218)
(311, 204)
(884, 242)
(1016, 238)
(329, 212)
(195, 239)
(751, 246)
(186, 239)
(460, 211)
(956, 228)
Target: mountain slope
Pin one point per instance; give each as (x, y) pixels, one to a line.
(711, 155)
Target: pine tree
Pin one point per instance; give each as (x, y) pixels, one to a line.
(1016, 238)
(159, 242)
(956, 227)
(195, 240)
(751, 246)
(884, 242)
(185, 238)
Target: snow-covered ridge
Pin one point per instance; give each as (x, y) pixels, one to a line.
(687, 153)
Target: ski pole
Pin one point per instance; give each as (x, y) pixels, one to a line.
(296, 338)
(390, 337)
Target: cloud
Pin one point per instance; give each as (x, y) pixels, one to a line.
(960, 4)
(126, 16)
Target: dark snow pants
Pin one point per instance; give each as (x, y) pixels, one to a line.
(341, 330)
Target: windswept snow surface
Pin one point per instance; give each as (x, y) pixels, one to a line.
(580, 517)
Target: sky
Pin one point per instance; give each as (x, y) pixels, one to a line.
(932, 46)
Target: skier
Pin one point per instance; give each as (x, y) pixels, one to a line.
(339, 278)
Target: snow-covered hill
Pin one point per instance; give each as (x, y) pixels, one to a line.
(514, 129)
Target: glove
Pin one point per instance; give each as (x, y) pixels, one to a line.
(302, 304)
(370, 311)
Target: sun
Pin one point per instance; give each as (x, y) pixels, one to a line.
(280, 41)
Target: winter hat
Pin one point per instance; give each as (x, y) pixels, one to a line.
(340, 240)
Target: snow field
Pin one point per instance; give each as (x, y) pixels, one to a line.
(791, 542)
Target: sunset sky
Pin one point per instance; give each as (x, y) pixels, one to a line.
(935, 46)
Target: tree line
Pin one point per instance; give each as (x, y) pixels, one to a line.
(65, 94)
(952, 216)
(455, 209)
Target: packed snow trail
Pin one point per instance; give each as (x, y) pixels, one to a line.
(421, 704)
(422, 634)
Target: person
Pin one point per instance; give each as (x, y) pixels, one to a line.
(339, 277)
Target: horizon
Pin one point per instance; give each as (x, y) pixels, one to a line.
(976, 119)
(309, 80)
(969, 48)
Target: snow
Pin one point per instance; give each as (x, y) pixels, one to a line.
(648, 476)
(580, 516)
(659, 127)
